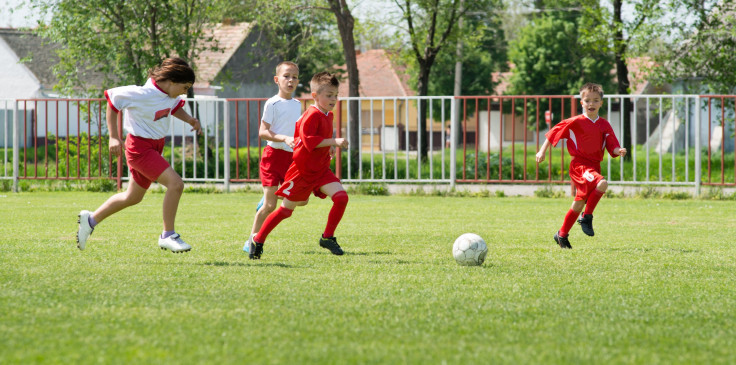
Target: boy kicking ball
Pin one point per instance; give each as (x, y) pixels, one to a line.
(310, 172)
(587, 136)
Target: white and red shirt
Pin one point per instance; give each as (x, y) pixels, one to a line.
(146, 108)
(586, 138)
(282, 115)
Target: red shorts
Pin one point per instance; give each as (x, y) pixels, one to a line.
(297, 188)
(274, 164)
(585, 177)
(144, 159)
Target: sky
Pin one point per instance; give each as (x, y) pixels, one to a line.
(10, 17)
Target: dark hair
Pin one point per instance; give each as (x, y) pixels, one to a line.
(591, 88)
(173, 69)
(285, 64)
(322, 79)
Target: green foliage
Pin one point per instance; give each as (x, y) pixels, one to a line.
(550, 60)
(549, 192)
(118, 42)
(369, 189)
(700, 47)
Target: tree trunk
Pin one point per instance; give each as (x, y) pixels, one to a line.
(345, 24)
(622, 74)
(423, 88)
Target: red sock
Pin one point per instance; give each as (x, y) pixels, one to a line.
(339, 202)
(593, 200)
(271, 222)
(570, 219)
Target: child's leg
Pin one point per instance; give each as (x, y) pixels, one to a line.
(571, 217)
(284, 211)
(339, 202)
(119, 201)
(174, 188)
(269, 204)
(595, 197)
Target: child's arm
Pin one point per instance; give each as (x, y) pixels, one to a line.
(265, 132)
(194, 122)
(542, 150)
(337, 142)
(115, 145)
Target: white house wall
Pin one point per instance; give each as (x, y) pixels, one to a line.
(17, 81)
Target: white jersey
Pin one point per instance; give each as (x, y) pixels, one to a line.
(146, 108)
(282, 115)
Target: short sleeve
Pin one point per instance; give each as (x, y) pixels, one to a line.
(268, 113)
(120, 98)
(559, 131)
(308, 132)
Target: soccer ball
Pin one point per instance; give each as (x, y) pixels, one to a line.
(469, 250)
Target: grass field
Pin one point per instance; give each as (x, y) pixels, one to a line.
(654, 286)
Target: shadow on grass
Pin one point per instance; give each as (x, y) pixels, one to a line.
(349, 253)
(243, 264)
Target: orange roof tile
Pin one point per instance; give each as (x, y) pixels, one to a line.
(378, 76)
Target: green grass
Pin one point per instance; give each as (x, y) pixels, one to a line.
(654, 286)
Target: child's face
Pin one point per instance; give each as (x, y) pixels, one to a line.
(287, 79)
(591, 102)
(176, 89)
(326, 98)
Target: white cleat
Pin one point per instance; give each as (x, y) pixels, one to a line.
(84, 229)
(173, 243)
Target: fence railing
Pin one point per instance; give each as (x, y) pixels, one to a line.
(441, 140)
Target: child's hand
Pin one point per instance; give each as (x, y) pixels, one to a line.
(116, 146)
(621, 152)
(341, 142)
(540, 156)
(196, 126)
(289, 141)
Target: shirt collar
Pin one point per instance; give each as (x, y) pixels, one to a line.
(596, 118)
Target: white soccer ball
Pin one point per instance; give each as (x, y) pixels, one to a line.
(469, 250)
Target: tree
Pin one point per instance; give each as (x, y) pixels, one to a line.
(430, 24)
(121, 41)
(608, 31)
(549, 59)
(703, 47)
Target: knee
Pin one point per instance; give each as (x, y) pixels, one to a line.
(341, 197)
(602, 185)
(176, 186)
(131, 199)
(269, 206)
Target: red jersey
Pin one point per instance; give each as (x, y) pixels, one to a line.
(312, 128)
(586, 139)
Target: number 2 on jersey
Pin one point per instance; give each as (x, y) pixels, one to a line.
(287, 191)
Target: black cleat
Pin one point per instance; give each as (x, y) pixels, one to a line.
(562, 241)
(586, 223)
(330, 243)
(256, 249)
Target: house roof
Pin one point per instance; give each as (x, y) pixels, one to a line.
(378, 76)
(39, 56)
(227, 38)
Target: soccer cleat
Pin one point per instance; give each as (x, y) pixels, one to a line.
(248, 242)
(173, 243)
(330, 243)
(84, 230)
(586, 223)
(562, 241)
(255, 249)
(260, 203)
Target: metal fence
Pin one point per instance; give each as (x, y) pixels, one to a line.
(440, 140)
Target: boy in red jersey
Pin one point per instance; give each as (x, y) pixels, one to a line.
(310, 172)
(587, 136)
